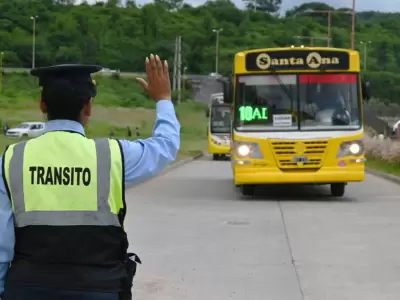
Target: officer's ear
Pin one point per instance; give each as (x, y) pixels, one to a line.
(43, 106)
(87, 109)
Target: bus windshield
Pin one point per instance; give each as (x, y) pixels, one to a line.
(303, 102)
(220, 120)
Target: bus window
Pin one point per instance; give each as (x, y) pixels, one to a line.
(220, 121)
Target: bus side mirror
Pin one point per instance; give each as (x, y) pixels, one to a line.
(228, 92)
(227, 88)
(207, 113)
(366, 89)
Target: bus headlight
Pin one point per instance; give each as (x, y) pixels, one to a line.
(355, 149)
(243, 150)
(247, 150)
(351, 148)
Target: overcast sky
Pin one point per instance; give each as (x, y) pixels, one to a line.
(380, 5)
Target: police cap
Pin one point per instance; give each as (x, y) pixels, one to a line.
(68, 78)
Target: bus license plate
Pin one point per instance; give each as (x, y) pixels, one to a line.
(300, 159)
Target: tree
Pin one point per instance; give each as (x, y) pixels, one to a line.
(130, 3)
(65, 2)
(308, 6)
(269, 6)
(170, 4)
(114, 3)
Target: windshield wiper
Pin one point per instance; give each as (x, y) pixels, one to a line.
(308, 101)
(289, 95)
(284, 88)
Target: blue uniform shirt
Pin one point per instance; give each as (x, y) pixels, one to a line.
(143, 159)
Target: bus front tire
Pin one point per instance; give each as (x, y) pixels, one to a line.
(337, 189)
(247, 189)
(215, 156)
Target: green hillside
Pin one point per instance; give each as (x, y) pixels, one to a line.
(19, 89)
(120, 37)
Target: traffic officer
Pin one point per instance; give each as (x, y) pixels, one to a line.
(62, 195)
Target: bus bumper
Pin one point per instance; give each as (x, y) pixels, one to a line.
(250, 174)
(218, 149)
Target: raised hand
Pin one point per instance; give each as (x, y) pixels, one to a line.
(158, 84)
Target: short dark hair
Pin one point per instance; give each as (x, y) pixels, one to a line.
(65, 100)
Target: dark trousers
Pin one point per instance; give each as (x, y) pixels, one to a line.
(21, 292)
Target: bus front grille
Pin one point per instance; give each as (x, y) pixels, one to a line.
(285, 153)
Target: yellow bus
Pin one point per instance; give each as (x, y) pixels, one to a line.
(219, 128)
(297, 117)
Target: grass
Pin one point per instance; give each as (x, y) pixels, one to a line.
(383, 166)
(120, 103)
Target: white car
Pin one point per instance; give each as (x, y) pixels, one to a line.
(214, 74)
(107, 70)
(26, 129)
(395, 128)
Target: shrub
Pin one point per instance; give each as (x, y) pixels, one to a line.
(116, 75)
(186, 95)
(387, 150)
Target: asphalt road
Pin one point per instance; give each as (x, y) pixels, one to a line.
(199, 239)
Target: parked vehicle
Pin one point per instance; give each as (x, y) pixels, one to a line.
(395, 128)
(107, 70)
(215, 74)
(26, 129)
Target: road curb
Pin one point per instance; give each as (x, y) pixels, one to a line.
(174, 166)
(390, 177)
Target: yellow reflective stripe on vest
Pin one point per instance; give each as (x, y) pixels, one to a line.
(103, 216)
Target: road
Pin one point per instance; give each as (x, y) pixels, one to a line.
(199, 239)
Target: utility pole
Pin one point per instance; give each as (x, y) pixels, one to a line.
(179, 69)
(329, 12)
(1, 71)
(365, 53)
(353, 25)
(175, 64)
(217, 31)
(33, 18)
(184, 78)
(329, 28)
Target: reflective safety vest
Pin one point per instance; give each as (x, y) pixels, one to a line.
(67, 194)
